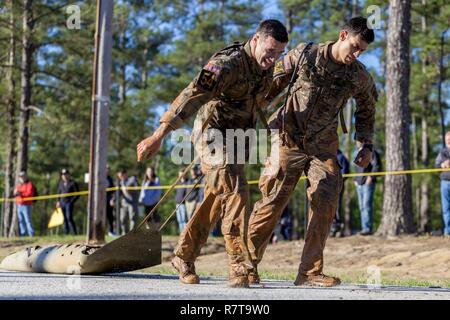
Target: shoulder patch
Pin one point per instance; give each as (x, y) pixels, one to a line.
(214, 68)
(207, 80)
(280, 67)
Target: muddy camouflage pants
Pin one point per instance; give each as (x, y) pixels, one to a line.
(278, 181)
(226, 198)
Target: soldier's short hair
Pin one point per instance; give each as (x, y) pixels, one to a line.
(273, 28)
(358, 25)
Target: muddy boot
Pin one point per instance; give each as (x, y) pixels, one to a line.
(253, 276)
(186, 271)
(319, 280)
(238, 270)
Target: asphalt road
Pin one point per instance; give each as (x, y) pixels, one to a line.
(136, 286)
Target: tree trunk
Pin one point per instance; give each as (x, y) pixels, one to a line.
(289, 25)
(25, 99)
(43, 230)
(424, 214)
(122, 84)
(441, 80)
(349, 189)
(415, 147)
(355, 8)
(415, 150)
(144, 70)
(123, 65)
(397, 205)
(348, 192)
(11, 125)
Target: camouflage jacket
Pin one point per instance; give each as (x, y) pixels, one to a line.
(230, 85)
(321, 89)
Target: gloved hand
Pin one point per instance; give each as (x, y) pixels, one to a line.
(363, 158)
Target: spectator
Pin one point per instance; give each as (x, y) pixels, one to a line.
(67, 185)
(284, 227)
(365, 187)
(110, 201)
(195, 197)
(181, 206)
(337, 226)
(24, 189)
(128, 202)
(150, 197)
(286, 224)
(443, 161)
(217, 230)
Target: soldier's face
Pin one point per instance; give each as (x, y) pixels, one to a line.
(267, 50)
(351, 47)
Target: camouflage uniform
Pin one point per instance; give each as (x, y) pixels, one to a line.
(308, 142)
(230, 86)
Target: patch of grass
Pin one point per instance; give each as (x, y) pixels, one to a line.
(271, 275)
(358, 278)
(160, 269)
(170, 238)
(390, 280)
(416, 283)
(45, 239)
(49, 239)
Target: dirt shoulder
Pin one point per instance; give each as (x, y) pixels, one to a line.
(405, 260)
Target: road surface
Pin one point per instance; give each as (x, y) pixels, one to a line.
(136, 286)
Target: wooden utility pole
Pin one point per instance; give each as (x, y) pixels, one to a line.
(99, 123)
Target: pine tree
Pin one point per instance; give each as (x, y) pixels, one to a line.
(397, 206)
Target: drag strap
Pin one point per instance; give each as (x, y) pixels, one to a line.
(342, 119)
(293, 78)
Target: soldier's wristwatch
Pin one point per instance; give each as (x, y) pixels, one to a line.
(368, 146)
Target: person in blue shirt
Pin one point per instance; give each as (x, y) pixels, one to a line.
(67, 185)
(110, 202)
(365, 187)
(150, 197)
(128, 200)
(443, 161)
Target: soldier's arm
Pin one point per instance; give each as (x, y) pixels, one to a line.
(282, 74)
(366, 100)
(209, 83)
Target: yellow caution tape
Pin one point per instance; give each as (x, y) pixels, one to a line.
(348, 175)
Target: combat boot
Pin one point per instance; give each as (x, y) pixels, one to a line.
(319, 280)
(186, 270)
(238, 271)
(253, 276)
